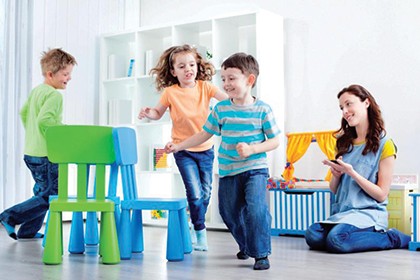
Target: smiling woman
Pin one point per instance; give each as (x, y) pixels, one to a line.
(361, 181)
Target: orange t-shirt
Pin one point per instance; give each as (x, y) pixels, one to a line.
(189, 109)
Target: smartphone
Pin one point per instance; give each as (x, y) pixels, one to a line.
(334, 161)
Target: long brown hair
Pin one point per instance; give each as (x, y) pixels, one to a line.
(162, 71)
(346, 134)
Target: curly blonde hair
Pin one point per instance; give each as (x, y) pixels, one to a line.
(162, 70)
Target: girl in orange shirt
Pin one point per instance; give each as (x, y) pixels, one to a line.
(184, 76)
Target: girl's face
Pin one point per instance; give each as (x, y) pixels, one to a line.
(354, 110)
(60, 79)
(237, 85)
(185, 69)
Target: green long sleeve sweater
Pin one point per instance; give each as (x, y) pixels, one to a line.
(42, 110)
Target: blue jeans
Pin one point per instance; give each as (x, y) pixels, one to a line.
(244, 209)
(30, 214)
(196, 170)
(345, 238)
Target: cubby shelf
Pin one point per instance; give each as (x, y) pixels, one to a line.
(259, 33)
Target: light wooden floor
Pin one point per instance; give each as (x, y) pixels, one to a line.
(290, 259)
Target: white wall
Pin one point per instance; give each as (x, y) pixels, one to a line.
(75, 26)
(329, 44)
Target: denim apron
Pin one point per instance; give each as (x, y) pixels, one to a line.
(352, 204)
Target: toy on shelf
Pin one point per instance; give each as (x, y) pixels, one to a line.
(295, 183)
(159, 159)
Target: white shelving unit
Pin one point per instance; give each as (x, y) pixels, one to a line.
(259, 33)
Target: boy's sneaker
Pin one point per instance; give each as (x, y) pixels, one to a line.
(242, 256)
(262, 264)
(37, 235)
(10, 230)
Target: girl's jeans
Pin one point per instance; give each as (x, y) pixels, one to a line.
(345, 238)
(30, 214)
(196, 170)
(244, 209)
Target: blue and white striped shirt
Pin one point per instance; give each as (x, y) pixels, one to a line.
(250, 124)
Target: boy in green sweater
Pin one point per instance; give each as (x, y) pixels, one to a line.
(42, 110)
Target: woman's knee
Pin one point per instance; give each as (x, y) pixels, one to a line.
(315, 237)
(337, 243)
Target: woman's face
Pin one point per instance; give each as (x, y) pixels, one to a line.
(354, 110)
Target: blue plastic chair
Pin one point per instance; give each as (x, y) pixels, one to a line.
(414, 244)
(130, 231)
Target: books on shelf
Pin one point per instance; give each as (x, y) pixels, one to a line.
(116, 67)
(149, 61)
(119, 111)
(130, 68)
(119, 67)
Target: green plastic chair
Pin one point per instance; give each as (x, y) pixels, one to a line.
(82, 146)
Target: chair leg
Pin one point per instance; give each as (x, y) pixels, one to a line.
(117, 214)
(137, 232)
(124, 235)
(53, 251)
(91, 230)
(185, 231)
(108, 240)
(174, 244)
(44, 239)
(414, 246)
(77, 239)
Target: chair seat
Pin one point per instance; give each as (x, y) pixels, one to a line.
(154, 203)
(82, 205)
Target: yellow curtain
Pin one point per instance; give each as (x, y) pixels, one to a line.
(326, 143)
(297, 145)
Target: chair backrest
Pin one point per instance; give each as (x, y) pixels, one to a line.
(84, 146)
(125, 145)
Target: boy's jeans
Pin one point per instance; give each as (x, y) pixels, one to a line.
(196, 170)
(244, 210)
(30, 214)
(345, 238)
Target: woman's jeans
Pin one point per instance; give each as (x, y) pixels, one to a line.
(196, 170)
(30, 214)
(345, 238)
(244, 209)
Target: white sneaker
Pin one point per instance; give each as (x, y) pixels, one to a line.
(201, 241)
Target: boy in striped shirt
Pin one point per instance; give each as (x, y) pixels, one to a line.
(248, 130)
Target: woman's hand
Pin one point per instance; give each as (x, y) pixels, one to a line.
(338, 167)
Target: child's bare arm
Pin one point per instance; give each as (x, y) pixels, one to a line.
(244, 150)
(192, 141)
(152, 113)
(220, 95)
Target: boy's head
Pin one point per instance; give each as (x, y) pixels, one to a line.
(57, 66)
(244, 62)
(55, 60)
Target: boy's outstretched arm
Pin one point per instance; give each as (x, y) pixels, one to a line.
(192, 141)
(244, 150)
